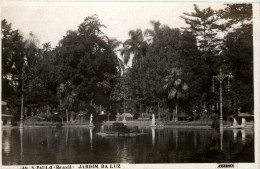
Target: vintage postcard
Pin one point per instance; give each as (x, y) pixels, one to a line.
(147, 85)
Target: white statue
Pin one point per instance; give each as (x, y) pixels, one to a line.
(153, 120)
(243, 124)
(235, 122)
(117, 116)
(91, 117)
(124, 120)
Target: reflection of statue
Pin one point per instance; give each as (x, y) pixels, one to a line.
(153, 135)
(235, 131)
(243, 132)
(91, 135)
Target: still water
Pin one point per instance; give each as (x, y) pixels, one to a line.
(81, 145)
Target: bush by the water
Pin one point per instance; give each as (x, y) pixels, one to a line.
(119, 127)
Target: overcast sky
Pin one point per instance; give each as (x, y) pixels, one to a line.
(50, 23)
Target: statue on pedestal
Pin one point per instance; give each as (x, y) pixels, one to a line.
(243, 124)
(235, 122)
(117, 116)
(124, 120)
(90, 121)
(153, 120)
(91, 117)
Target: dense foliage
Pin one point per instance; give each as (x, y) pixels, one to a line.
(170, 72)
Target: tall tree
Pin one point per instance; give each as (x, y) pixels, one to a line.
(13, 61)
(236, 14)
(153, 33)
(203, 24)
(175, 87)
(114, 44)
(135, 46)
(88, 62)
(13, 53)
(238, 55)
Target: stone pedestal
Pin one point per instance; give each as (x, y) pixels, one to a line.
(91, 125)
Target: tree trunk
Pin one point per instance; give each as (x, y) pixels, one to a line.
(71, 116)
(176, 108)
(159, 114)
(67, 115)
(168, 115)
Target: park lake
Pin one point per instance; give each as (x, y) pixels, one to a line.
(81, 145)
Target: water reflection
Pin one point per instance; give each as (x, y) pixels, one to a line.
(123, 154)
(153, 135)
(6, 141)
(91, 136)
(235, 131)
(243, 132)
(195, 138)
(82, 145)
(176, 138)
(221, 138)
(21, 143)
(67, 135)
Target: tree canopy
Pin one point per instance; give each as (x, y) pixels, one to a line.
(171, 69)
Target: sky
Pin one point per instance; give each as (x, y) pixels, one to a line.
(51, 21)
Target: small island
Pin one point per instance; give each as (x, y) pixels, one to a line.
(119, 129)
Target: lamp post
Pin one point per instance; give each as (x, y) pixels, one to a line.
(220, 78)
(125, 104)
(21, 120)
(25, 63)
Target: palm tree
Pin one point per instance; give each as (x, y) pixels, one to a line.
(135, 46)
(153, 33)
(113, 44)
(46, 46)
(175, 87)
(67, 98)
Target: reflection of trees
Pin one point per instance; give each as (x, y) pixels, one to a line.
(6, 146)
(72, 145)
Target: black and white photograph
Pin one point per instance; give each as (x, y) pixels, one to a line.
(118, 84)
